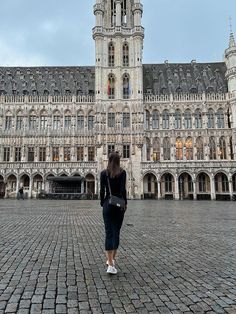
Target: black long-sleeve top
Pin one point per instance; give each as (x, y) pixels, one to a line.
(117, 184)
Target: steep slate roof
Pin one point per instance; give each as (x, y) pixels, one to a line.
(43, 80)
(184, 78)
(158, 79)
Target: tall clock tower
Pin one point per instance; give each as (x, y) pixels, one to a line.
(118, 36)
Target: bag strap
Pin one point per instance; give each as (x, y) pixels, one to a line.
(108, 181)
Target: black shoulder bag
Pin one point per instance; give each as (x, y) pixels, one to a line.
(115, 200)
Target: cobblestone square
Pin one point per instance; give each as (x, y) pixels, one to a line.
(175, 257)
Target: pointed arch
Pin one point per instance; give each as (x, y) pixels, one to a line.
(111, 55)
(178, 119)
(155, 119)
(126, 86)
(212, 148)
(222, 148)
(125, 54)
(188, 119)
(200, 148)
(179, 148)
(156, 149)
(111, 86)
(166, 148)
(189, 148)
(220, 119)
(198, 119)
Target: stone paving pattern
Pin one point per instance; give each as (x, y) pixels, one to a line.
(175, 257)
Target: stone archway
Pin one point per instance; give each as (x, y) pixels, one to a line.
(38, 185)
(150, 190)
(203, 186)
(2, 187)
(25, 183)
(90, 184)
(185, 186)
(167, 186)
(11, 183)
(222, 187)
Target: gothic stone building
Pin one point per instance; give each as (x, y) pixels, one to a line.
(173, 124)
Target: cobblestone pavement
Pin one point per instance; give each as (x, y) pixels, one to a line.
(175, 257)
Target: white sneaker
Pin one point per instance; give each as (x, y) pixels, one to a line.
(111, 270)
(113, 262)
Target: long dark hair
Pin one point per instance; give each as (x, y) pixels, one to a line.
(113, 166)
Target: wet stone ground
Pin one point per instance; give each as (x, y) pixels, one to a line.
(175, 257)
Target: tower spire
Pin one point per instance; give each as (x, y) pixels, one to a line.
(231, 38)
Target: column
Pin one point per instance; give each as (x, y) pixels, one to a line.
(176, 187)
(194, 189)
(118, 13)
(213, 192)
(17, 184)
(231, 188)
(30, 187)
(82, 186)
(159, 189)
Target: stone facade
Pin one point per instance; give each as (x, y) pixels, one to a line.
(173, 124)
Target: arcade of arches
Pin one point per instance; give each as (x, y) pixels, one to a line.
(184, 186)
(36, 184)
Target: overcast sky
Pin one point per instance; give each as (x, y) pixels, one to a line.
(58, 32)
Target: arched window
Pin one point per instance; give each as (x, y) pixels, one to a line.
(222, 148)
(179, 149)
(67, 120)
(210, 119)
(178, 118)
(234, 182)
(80, 120)
(221, 183)
(212, 148)
(165, 119)
(125, 55)
(124, 12)
(43, 120)
(203, 183)
(156, 149)
(198, 119)
(148, 149)
(155, 119)
(111, 55)
(200, 148)
(147, 120)
(56, 120)
(187, 119)
(231, 148)
(166, 148)
(111, 119)
(168, 183)
(8, 121)
(90, 121)
(220, 119)
(126, 87)
(189, 148)
(113, 12)
(111, 87)
(33, 119)
(126, 119)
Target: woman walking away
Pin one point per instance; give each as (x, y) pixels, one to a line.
(113, 191)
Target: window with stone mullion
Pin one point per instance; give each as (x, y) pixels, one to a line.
(126, 120)
(111, 119)
(6, 154)
(18, 154)
(8, 123)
